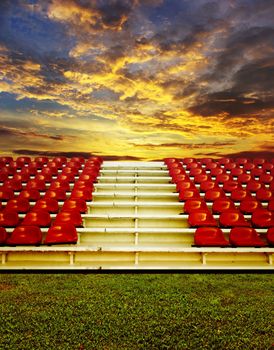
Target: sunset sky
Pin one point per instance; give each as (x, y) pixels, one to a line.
(137, 79)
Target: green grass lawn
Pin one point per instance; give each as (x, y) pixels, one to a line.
(136, 311)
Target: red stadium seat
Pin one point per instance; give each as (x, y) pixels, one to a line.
(184, 195)
(74, 164)
(6, 160)
(12, 168)
(270, 205)
(179, 178)
(79, 184)
(6, 194)
(36, 185)
(222, 204)
(20, 205)
(15, 185)
(49, 171)
(60, 185)
(33, 167)
(21, 177)
(75, 204)
(185, 185)
(259, 161)
(231, 185)
(266, 178)
(249, 166)
(61, 234)
(41, 160)
(201, 178)
(220, 179)
(39, 218)
(230, 166)
(211, 166)
(216, 171)
(91, 171)
(267, 166)
(3, 235)
(210, 237)
(240, 195)
(262, 218)
(60, 160)
(85, 194)
(264, 194)
(9, 218)
(66, 177)
(208, 185)
(196, 171)
(80, 160)
(201, 218)
(59, 195)
(42, 177)
(224, 161)
(169, 161)
(22, 161)
(31, 195)
(245, 237)
(249, 205)
(95, 159)
(270, 236)
(237, 172)
(175, 171)
(25, 173)
(212, 195)
(256, 173)
(244, 178)
(188, 160)
(48, 204)
(241, 161)
(70, 170)
(232, 218)
(4, 174)
(69, 217)
(254, 186)
(194, 204)
(192, 165)
(25, 235)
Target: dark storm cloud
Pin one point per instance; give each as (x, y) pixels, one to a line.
(231, 103)
(115, 12)
(239, 43)
(13, 132)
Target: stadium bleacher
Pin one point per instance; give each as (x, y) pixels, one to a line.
(183, 214)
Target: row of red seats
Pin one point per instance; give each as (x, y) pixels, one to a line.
(64, 233)
(71, 211)
(22, 161)
(261, 218)
(49, 168)
(200, 175)
(238, 237)
(221, 161)
(247, 206)
(217, 188)
(48, 172)
(59, 190)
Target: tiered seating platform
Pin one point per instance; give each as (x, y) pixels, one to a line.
(181, 214)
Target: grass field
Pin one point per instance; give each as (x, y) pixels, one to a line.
(135, 311)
